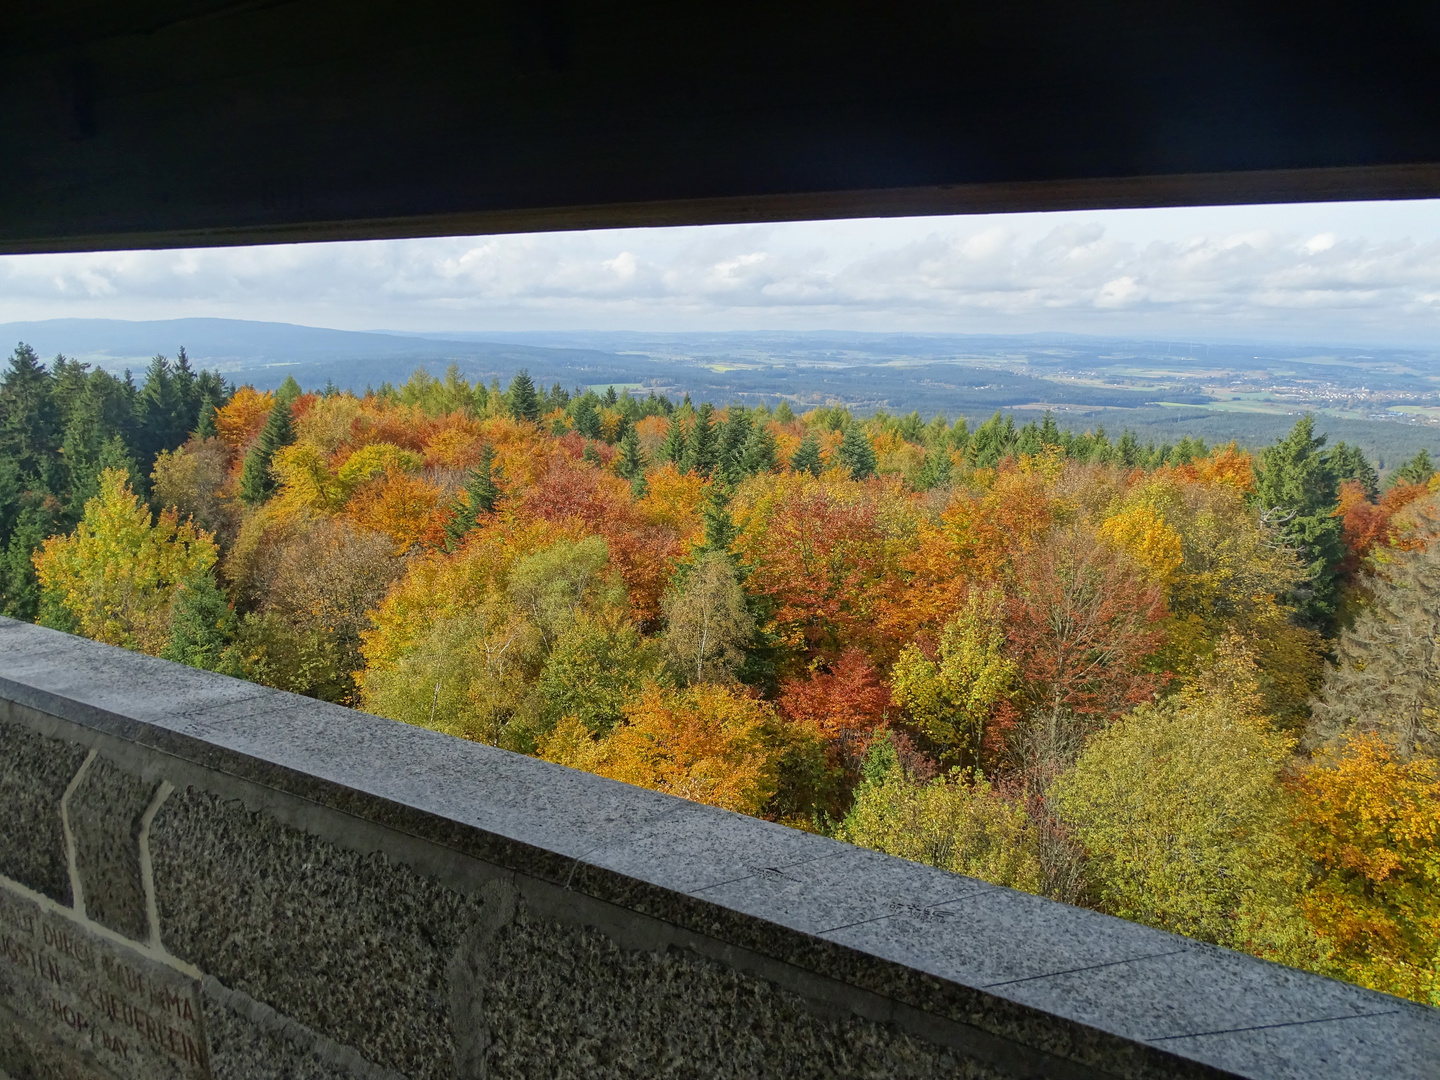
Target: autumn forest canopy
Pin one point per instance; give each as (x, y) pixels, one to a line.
(1194, 686)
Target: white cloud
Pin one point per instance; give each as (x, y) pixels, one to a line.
(1118, 293)
(1344, 272)
(623, 265)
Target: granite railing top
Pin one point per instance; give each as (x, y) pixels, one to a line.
(1077, 984)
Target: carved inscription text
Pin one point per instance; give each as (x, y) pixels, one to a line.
(135, 1017)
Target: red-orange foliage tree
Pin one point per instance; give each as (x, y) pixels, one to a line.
(1082, 620)
(816, 558)
(1366, 525)
(843, 704)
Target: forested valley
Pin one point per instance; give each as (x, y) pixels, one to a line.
(1197, 687)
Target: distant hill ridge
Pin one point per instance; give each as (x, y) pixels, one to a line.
(970, 375)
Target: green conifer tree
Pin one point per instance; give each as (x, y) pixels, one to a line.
(188, 391)
(1417, 470)
(256, 482)
(482, 495)
(71, 379)
(1100, 449)
(99, 426)
(702, 448)
(288, 390)
(673, 448)
(960, 436)
(856, 453)
(730, 452)
(521, 398)
(937, 432)
(937, 471)
(158, 411)
(205, 425)
(1029, 441)
(29, 419)
(807, 456)
(783, 413)
(591, 456)
(1049, 430)
(1128, 449)
(1186, 451)
(1350, 463)
(632, 458)
(585, 416)
(1296, 489)
(202, 624)
(758, 455)
(987, 444)
(720, 530)
(20, 593)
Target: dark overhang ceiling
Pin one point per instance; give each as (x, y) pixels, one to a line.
(191, 122)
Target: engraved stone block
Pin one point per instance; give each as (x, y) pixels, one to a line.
(98, 1002)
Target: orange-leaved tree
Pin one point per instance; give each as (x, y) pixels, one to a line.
(815, 546)
(1370, 823)
(408, 509)
(240, 419)
(709, 743)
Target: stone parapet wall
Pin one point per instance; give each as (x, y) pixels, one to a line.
(203, 878)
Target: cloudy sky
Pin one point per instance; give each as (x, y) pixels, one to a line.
(1356, 273)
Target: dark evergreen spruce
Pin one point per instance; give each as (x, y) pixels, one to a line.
(257, 483)
(807, 456)
(202, 624)
(702, 449)
(1417, 470)
(585, 416)
(759, 452)
(673, 448)
(856, 453)
(521, 399)
(632, 459)
(1296, 488)
(482, 494)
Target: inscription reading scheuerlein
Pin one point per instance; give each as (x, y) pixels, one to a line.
(137, 1017)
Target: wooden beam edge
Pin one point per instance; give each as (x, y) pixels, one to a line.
(1343, 184)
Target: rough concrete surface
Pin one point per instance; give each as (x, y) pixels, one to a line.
(350, 945)
(34, 773)
(250, 1041)
(567, 1002)
(104, 811)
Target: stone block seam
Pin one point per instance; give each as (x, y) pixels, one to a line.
(268, 1020)
(72, 861)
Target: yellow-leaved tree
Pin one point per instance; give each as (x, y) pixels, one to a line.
(957, 822)
(1140, 529)
(115, 577)
(951, 696)
(710, 743)
(1179, 806)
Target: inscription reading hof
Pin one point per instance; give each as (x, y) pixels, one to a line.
(137, 1018)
